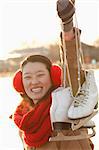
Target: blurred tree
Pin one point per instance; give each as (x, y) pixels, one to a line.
(54, 52)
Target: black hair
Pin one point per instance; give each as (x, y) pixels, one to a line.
(37, 58)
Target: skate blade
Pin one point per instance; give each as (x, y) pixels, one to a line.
(82, 135)
(80, 122)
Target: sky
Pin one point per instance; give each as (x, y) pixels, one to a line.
(31, 23)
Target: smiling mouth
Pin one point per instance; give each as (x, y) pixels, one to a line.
(36, 90)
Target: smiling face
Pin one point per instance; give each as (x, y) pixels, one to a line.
(36, 80)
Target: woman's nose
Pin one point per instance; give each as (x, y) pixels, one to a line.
(34, 80)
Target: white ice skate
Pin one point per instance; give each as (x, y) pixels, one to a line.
(61, 101)
(84, 103)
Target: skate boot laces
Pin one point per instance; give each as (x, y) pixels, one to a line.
(83, 95)
(81, 98)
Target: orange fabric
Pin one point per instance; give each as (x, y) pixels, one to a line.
(85, 144)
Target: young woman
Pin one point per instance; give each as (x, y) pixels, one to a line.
(35, 82)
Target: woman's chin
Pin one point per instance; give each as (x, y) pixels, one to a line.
(37, 98)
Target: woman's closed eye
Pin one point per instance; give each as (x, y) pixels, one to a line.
(40, 75)
(27, 77)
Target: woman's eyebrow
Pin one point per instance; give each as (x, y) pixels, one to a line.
(40, 71)
(26, 73)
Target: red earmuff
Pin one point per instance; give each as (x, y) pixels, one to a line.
(17, 82)
(55, 73)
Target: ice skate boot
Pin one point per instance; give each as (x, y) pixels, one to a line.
(86, 100)
(61, 101)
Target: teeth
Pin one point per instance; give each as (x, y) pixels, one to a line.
(36, 90)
